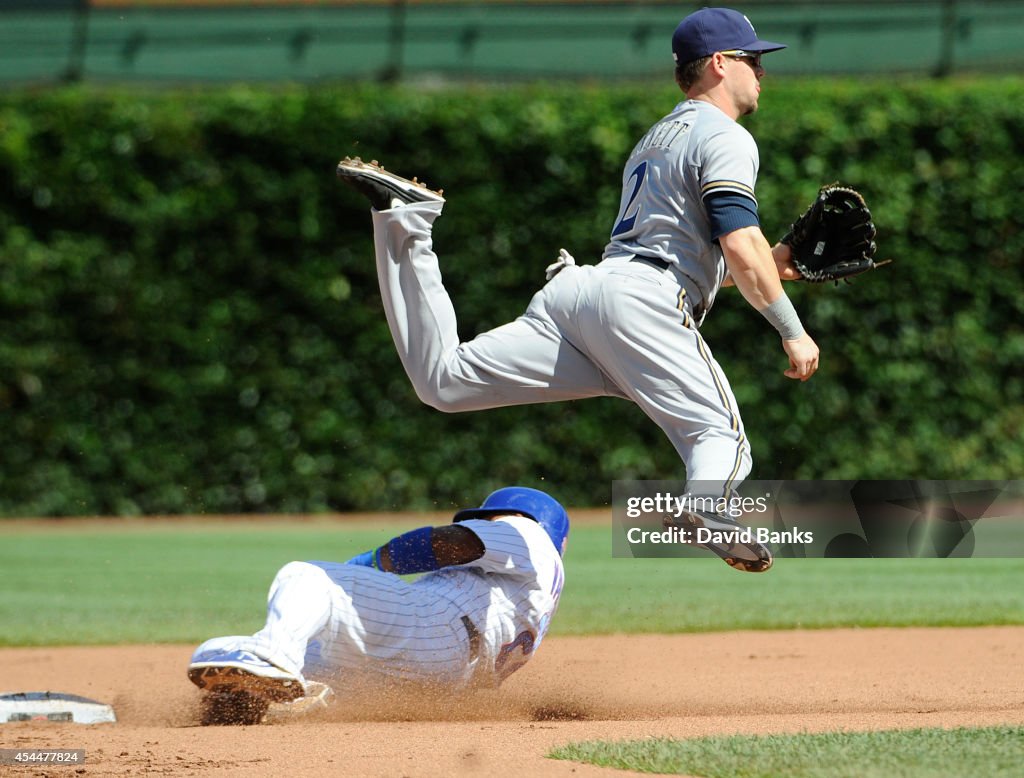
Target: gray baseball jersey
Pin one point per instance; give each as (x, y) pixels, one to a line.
(694, 152)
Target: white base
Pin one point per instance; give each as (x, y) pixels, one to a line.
(53, 706)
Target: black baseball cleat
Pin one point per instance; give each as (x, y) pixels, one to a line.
(729, 539)
(384, 190)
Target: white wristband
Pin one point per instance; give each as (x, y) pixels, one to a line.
(783, 317)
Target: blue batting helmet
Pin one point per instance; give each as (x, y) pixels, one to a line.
(539, 506)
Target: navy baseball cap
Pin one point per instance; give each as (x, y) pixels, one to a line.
(716, 29)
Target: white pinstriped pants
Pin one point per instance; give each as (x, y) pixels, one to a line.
(341, 623)
(620, 328)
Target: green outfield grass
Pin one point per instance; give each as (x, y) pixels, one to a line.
(162, 582)
(990, 752)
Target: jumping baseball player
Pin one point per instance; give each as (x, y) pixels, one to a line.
(492, 582)
(629, 326)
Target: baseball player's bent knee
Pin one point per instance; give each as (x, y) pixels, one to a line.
(429, 395)
(451, 398)
(444, 404)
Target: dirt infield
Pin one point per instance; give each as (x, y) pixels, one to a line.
(614, 687)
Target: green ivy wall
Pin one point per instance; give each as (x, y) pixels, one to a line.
(190, 321)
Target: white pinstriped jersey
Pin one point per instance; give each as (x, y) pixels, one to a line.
(469, 624)
(694, 151)
(418, 630)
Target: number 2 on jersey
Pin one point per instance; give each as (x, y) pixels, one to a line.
(629, 214)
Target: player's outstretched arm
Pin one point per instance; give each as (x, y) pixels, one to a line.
(752, 266)
(756, 270)
(423, 550)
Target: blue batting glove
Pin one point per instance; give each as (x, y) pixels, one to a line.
(366, 559)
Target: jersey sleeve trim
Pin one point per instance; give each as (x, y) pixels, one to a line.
(713, 187)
